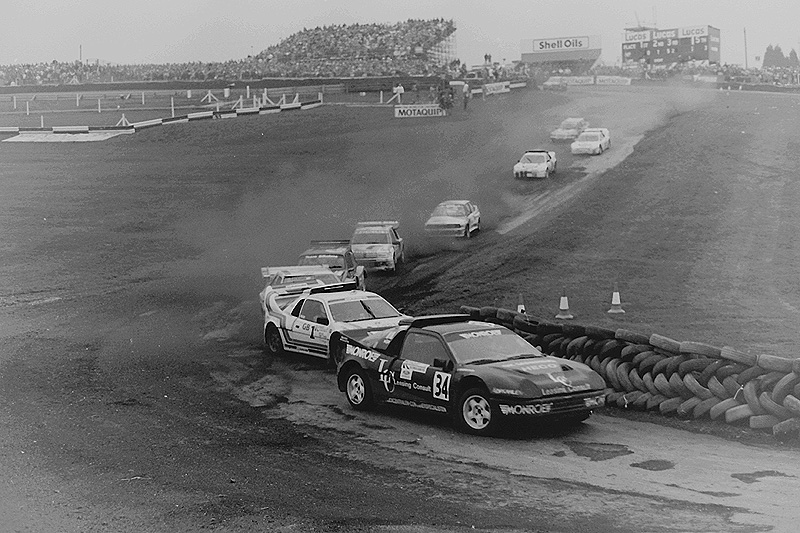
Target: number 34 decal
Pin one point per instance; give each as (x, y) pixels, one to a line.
(441, 386)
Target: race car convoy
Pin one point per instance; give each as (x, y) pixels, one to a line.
(454, 218)
(377, 245)
(305, 324)
(480, 373)
(536, 164)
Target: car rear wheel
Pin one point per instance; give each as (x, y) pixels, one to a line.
(358, 390)
(467, 232)
(474, 413)
(272, 340)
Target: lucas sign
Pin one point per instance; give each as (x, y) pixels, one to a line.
(418, 111)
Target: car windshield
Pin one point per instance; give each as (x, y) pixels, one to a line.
(370, 238)
(333, 261)
(536, 159)
(315, 279)
(450, 210)
(362, 309)
(589, 137)
(488, 345)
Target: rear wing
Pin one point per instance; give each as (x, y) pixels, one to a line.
(294, 270)
(390, 223)
(334, 242)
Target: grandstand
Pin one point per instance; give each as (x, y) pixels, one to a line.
(410, 48)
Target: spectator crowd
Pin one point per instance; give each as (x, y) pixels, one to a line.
(413, 47)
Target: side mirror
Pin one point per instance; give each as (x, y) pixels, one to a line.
(322, 320)
(444, 364)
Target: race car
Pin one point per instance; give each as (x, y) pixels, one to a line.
(305, 324)
(569, 129)
(536, 164)
(377, 246)
(288, 281)
(480, 373)
(454, 218)
(592, 141)
(337, 256)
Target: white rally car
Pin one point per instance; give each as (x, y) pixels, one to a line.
(305, 324)
(536, 164)
(454, 218)
(592, 141)
(377, 246)
(287, 282)
(569, 129)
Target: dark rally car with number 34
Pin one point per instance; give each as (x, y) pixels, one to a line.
(479, 373)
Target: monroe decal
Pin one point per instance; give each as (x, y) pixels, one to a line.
(362, 353)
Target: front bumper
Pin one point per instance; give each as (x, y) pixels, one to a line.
(444, 231)
(376, 263)
(529, 174)
(551, 407)
(586, 151)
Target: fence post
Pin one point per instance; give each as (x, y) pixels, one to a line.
(98, 105)
(247, 88)
(189, 94)
(142, 97)
(41, 120)
(27, 108)
(172, 105)
(15, 101)
(77, 100)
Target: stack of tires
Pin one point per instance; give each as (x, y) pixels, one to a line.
(656, 373)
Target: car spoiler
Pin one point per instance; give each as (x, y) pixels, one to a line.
(391, 223)
(293, 269)
(333, 242)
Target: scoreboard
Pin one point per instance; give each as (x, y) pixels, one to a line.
(664, 47)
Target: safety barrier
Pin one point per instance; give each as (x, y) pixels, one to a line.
(130, 127)
(682, 378)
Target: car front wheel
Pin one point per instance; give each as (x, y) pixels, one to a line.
(474, 413)
(358, 390)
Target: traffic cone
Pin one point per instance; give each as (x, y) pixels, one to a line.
(616, 306)
(563, 307)
(521, 305)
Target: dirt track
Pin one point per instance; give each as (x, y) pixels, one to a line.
(130, 324)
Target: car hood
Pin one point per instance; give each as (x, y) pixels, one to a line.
(371, 248)
(441, 220)
(537, 377)
(530, 165)
(376, 323)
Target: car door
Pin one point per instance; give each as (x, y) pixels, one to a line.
(310, 329)
(422, 373)
(397, 244)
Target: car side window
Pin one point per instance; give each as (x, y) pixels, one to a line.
(423, 348)
(312, 310)
(296, 310)
(395, 237)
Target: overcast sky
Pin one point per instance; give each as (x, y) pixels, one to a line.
(175, 31)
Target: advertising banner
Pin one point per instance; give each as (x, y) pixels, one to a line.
(560, 44)
(612, 80)
(418, 111)
(496, 88)
(579, 80)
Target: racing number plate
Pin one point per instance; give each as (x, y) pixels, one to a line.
(441, 386)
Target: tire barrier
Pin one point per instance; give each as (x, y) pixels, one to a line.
(687, 379)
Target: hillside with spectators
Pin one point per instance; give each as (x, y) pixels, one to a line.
(413, 47)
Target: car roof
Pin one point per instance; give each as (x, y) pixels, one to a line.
(327, 250)
(455, 202)
(573, 119)
(536, 152)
